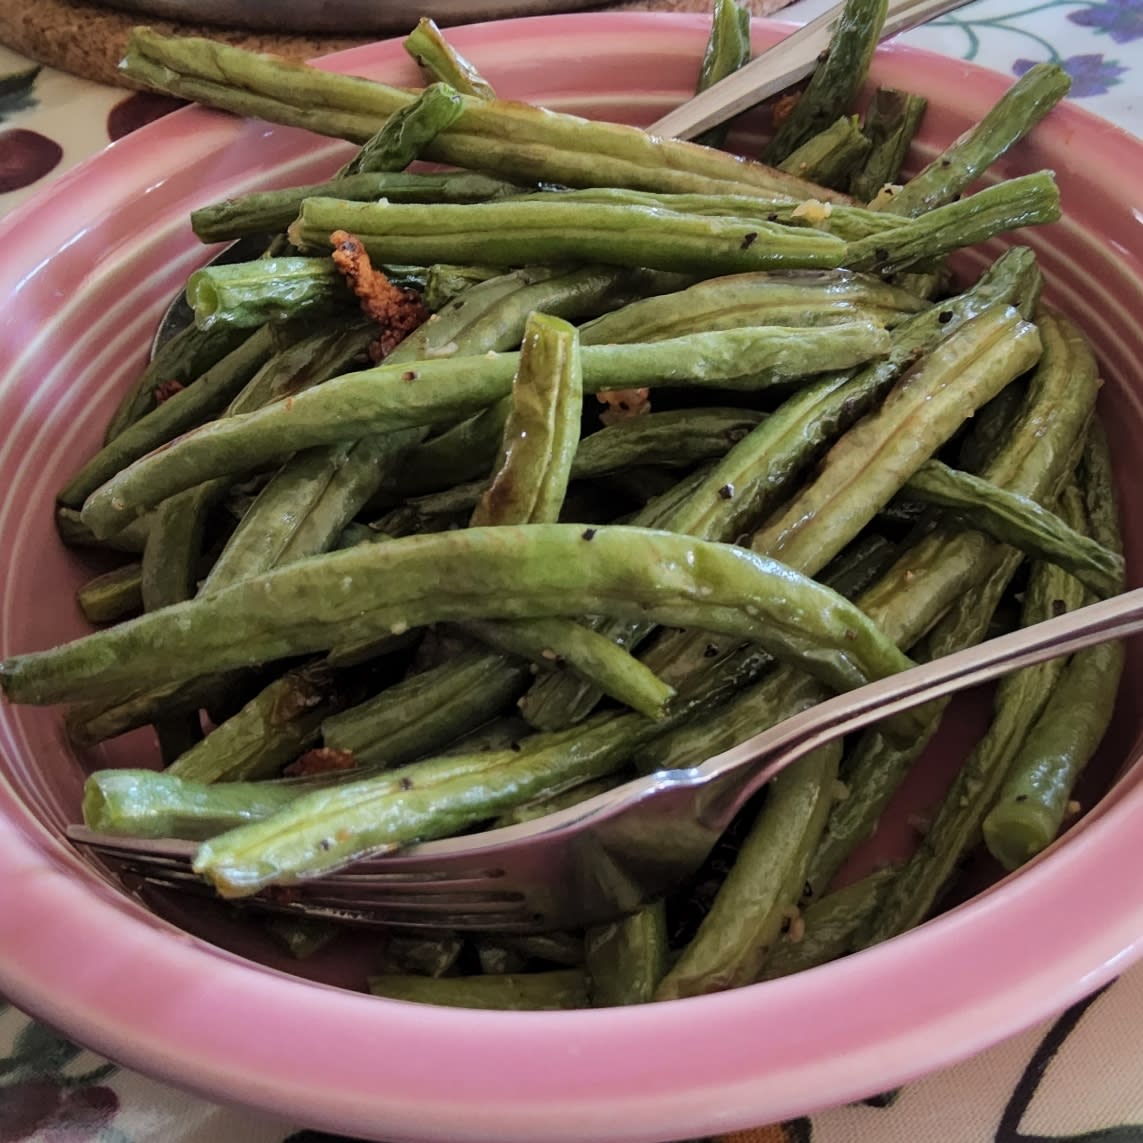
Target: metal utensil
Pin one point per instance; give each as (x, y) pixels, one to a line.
(607, 856)
(788, 61)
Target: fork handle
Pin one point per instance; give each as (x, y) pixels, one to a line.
(790, 740)
(788, 61)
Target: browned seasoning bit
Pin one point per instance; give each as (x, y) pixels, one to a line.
(321, 760)
(944, 317)
(406, 783)
(749, 239)
(409, 375)
(396, 309)
(589, 533)
(710, 651)
(167, 390)
(726, 492)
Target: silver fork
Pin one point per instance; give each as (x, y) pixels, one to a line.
(789, 60)
(607, 856)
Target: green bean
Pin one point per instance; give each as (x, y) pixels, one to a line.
(511, 139)
(500, 572)
(764, 883)
(835, 81)
(328, 827)
(426, 711)
(351, 487)
(830, 155)
(1029, 200)
(424, 954)
(75, 533)
(848, 222)
(269, 212)
(677, 437)
(992, 426)
(542, 429)
(827, 927)
(541, 807)
(301, 936)
(626, 959)
(792, 298)
(427, 45)
(559, 988)
(142, 803)
(171, 561)
(556, 948)
(90, 723)
(603, 663)
(727, 49)
(1019, 521)
(112, 596)
(246, 294)
(444, 282)
(545, 229)
(891, 121)
(1034, 799)
(182, 358)
(185, 409)
(497, 958)
(393, 397)
(1021, 107)
(291, 519)
(273, 728)
(408, 131)
(973, 365)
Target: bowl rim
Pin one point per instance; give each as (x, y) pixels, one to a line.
(153, 997)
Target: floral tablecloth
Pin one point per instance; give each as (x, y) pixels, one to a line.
(1077, 1078)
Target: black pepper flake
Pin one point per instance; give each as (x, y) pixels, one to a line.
(944, 317)
(516, 747)
(589, 533)
(823, 55)
(946, 162)
(726, 492)
(1059, 607)
(1021, 797)
(851, 635)
(325, 845)
(749, 239)
(710, 651)
(881, 254)
(406, 783)
(772, 217)
(459, 304)
(409, 375)
(807, 890)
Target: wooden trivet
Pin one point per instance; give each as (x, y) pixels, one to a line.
(88, 40)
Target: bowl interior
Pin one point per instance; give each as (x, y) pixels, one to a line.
(90, 266)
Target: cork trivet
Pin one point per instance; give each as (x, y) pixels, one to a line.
(88, 40)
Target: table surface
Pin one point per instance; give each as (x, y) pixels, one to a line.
(1077, 1078)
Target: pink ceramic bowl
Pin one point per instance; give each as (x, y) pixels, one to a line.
(86, 270)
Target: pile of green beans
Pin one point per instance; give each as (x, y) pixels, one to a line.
(687, 444)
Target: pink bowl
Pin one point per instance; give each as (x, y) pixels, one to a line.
(87, 269)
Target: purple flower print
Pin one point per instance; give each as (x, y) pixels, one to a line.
(1122, 20)
(1091, 74)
